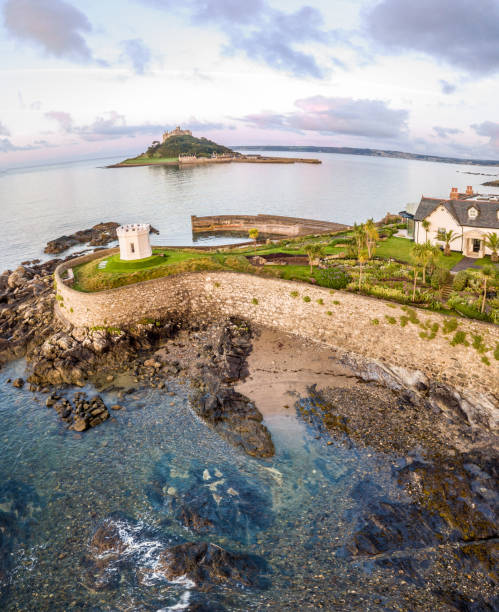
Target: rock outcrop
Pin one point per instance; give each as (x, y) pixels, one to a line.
(96, 236)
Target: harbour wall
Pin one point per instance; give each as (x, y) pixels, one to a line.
(346, 322)
(267, 225)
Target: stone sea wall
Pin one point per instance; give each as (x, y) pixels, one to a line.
(342, 320)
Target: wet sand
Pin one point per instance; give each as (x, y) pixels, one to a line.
(283, 366)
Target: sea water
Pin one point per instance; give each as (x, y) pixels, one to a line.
(42, 203)
(57, 487)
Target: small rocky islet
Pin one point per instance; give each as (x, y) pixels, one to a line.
(438, 540)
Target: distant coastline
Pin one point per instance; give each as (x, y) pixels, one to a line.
(371, 153)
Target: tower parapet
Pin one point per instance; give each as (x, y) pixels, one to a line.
(176, 132)
(134, 241)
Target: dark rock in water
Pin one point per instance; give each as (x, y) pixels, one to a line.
(459, 602)
(19, 505)
(385, 526)
(208, 564)
(82, 414)
(122, 551)
(212, 499)
(98, 235)
(18, 383)
(230, 413)
(237, 419)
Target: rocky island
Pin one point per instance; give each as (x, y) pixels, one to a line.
(180, 147)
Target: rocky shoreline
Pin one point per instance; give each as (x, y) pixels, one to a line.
(442, 444)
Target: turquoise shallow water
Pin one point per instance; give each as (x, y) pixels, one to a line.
(56, 487)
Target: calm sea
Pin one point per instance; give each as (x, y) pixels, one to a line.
(42, 203)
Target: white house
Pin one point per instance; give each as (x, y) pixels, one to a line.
(470, 215)
(134, 241)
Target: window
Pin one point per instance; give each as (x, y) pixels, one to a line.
(472, 213)
(441, 233)
(132, 247)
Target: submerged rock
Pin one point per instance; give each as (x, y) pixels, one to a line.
(122, 550)
(236, 418)
(229, 504)
(19, 506)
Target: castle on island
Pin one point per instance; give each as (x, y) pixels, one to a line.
(176, 132)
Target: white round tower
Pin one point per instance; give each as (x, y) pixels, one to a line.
(134, 241)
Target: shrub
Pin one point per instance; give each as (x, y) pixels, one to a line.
(334, 277)
(320, 301)
(449, 325)
(411, 313)
(460, 280)
(496, 352)
(294, 294)
(336, 302)
(404, 320)
(478, 344)
(375, 321)
(485, 360)
(306, 298)
(471, 312)
(391, 320)
(344, 240)
(440, 277)
(254, 301)
(459, 338)
(329, 313)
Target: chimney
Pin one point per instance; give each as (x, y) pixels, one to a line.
(469, 190)
(454, 194)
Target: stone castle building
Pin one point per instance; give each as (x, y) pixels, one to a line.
(176, 132)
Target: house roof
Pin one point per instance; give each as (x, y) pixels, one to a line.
(487, 211)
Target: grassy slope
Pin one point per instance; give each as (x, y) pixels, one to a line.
(88, 277)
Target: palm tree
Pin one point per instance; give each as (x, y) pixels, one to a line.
(253, 234)
(362, 257)
(371, 237)
(492, 242)
(448, 237)
(314, 251)
(426, 226)
(487, 272)
(415, 272)
(359, 234)
(424, 254)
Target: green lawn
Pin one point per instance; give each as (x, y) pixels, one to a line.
(401, 249)
(163, 262)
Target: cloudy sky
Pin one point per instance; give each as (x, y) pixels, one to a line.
(96, 78)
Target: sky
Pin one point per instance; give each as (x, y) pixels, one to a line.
(95, 79)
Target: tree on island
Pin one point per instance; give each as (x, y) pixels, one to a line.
(253, 234)
(362, 257)
(487, 272)
(426, 226)
(424, 254)
(492, 243)
(314, 252)
(448, 237)
(371, 237)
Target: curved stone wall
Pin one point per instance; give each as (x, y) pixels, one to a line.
(341, 320)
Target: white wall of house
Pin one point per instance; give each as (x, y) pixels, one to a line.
(482, 230)
(440, 218)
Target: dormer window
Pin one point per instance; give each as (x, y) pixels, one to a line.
(472, 213)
